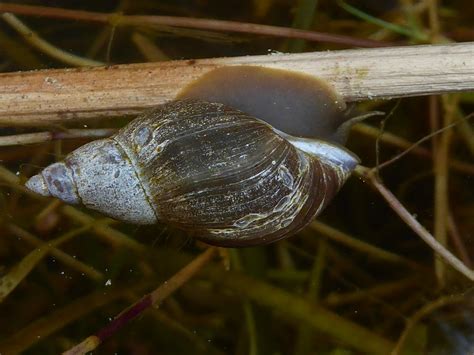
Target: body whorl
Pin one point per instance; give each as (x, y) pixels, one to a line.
(224, 176)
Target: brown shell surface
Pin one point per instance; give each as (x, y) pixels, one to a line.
(223, 176)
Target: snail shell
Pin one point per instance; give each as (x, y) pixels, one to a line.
(221, 174)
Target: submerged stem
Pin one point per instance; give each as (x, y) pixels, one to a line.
(408, 218)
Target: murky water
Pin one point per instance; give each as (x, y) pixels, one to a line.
(358, 280)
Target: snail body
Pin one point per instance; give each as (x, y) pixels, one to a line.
(294, 103)
(226, 177)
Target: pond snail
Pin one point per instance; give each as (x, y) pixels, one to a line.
(216, 161)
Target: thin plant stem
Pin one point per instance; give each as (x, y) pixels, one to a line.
(376, 292)
(47, 325)
(304, 339)
(435, 26)
(466, 131)
(413, 146)
(202, 346)
(187, 22)
(105, 34)
(148, 48)
(458, 241)
(433, 112)
(65, 258)
(152, 299)
(104, 231)
(411, 14)
(384, 24)
(278, 300)
(41, 137)
(411, 222)
(396, 141)
(36, 41)
(382, 130)
(108, 57)
(419, 315)
(19, 53)
(359, 245)
(304, 17)
(247, 308)
(22, 269)
(50, 208)
(301, 310)
(441, 170)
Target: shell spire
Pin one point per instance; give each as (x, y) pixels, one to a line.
(37, 184)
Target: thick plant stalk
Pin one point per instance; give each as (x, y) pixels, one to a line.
(52, 96)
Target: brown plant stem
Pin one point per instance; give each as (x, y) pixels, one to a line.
(152, 299)
(361, 246)
(396, 141)
(301, 310)
(276, 299)
(51, 96)
(441, 193)
(411, 222)
(41, 137)
(65, 258)
(36, 41)
(458, 242)
(420, 314)
(40, 328)
(116, 19)
(374, 293)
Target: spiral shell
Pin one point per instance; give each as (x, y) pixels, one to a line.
(218, 173)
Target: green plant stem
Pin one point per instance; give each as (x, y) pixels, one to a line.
(247, 308)
(304, 340)
(43, 327)
(22, 269)
(65, 258)
(36, 41)
(384, 24)
(359, 245)
(420, 314)
(301, 310)
(304, 17)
